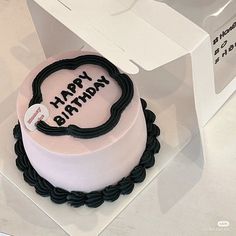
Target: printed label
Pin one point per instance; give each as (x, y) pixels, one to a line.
(34, 114)
(224, 42)
(224, 54)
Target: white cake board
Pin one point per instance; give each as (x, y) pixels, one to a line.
(165, 60)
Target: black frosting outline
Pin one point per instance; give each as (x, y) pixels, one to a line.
(95, 198)
(116, 110)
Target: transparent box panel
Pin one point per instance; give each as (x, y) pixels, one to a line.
(218, 18)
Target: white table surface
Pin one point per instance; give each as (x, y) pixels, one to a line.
(188, 198)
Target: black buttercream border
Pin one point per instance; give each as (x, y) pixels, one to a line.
(95, 198)
(116, 110)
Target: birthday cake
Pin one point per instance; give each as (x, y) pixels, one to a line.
(84, 135)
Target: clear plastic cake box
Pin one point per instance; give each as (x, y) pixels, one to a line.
(168, 57)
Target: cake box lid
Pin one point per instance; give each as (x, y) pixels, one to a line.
(117, 28)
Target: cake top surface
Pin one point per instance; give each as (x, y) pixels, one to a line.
(82, 97)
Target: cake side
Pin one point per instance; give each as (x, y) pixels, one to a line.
(83, 164)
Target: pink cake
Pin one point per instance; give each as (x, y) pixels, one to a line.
(94, 139)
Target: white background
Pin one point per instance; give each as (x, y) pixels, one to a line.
(188, 198)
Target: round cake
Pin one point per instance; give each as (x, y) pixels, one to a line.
(84, 135)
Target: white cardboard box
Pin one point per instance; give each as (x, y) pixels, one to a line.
(167, 55)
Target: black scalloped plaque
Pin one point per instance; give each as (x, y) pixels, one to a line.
(116, 110)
